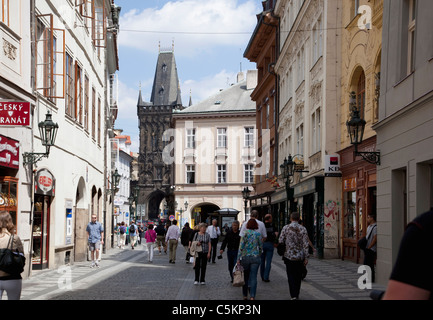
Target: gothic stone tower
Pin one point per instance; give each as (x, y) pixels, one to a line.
(156, 177)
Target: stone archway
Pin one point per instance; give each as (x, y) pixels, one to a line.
(202, 212)
(80, 222)
(154, 203)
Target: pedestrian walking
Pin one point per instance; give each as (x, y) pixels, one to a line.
(295, 257)
(201, 239)
(141, 233)
(95, 234)
(172, 239)
(127, 235)
(122, 235)
(11, 283)
(150, 237)
(250, 249)
(231, 242)
(262, 229)
(268, 248)
(184, 239)
(117, 233)
(214, 233)
(160, 237)
(411, 277)
(370, 250)
(133, 234)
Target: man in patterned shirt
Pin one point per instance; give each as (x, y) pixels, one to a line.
(295, 237)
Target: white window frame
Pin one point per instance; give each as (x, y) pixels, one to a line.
(249, 173)
(248, 137)
(222, 137)
(300, 139)
(190, 138)
(190, 169)
(221, 173)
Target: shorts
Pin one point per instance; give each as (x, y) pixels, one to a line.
(95, 246)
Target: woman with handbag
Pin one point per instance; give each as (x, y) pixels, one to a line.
(250, 249)
(10, 281)
(201, 239)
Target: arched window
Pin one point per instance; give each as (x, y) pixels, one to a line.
(360, 94)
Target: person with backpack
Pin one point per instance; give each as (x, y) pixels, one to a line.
(133, 233)
(160, 237)
(122, 235)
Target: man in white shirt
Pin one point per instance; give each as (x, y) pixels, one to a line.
(262, 228)
(172, 238)
(214, 233)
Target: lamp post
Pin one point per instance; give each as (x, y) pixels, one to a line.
(115, 179)
(288, 170)
(48, 132)
(355, 127)
(245, 194)
(181, 211)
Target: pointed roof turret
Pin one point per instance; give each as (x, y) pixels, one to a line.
(166, 86)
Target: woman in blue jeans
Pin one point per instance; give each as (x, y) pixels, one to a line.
(249, 252)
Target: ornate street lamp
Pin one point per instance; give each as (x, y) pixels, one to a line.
(288, 170)
(48, 132)
(246, 194)
(355, 127)
(115, 179)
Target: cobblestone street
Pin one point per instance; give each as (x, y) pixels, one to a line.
(126, 275)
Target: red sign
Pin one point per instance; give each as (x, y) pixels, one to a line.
(9, 152)
(14, 113)
(45, 183)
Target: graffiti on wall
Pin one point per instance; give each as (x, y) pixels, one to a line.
(332, 212)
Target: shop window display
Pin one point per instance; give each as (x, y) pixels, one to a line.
(9, 196)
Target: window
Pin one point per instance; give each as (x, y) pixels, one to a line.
(268, 110)
(249, 137)
(315, 136)
(93, 112)
(70, 92)
(290, 83)
(411, 37)
(190, 138)
(190, 174)
(355, 8)
(79, 93)
(248, 173)
(317, 40)
(221, 173)
(222, 137)
(4, 13)
(300, 140)
(99, 120)
(360, 95)
(86, 103)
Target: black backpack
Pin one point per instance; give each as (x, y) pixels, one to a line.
(132, 229)
(122, 230)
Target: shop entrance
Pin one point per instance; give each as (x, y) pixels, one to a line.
(41, 230)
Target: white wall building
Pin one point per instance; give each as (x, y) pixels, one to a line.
(67, 73)
(308, 67)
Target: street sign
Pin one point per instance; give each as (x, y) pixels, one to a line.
(14, 113)
(171, 218)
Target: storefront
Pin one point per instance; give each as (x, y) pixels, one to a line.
(44, 194)
(309, 197)
(9, 165)
(358, 198)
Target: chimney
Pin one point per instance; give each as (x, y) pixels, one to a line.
(241, 77)
(251, 79)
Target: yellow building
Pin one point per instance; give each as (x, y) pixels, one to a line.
(360, 82)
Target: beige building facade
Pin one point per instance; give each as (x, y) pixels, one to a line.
(360, 75)
(215, 154)
(309, 71)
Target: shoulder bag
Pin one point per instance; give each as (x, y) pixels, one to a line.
(362, 243)
(11, 262)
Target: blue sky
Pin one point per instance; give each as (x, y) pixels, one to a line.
(210, 38)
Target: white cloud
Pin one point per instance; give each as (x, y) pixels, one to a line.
(195, 25)
(208, 86)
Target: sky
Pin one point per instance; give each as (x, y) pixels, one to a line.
(209, 37)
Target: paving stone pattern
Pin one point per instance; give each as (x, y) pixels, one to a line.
(127, 275)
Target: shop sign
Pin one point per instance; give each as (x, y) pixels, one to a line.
(14, 113)
(349, 184)
(9, 152)
(45, 183)
(332, 166)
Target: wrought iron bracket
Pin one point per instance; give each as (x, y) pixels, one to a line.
(370, 157)
(33, 158)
